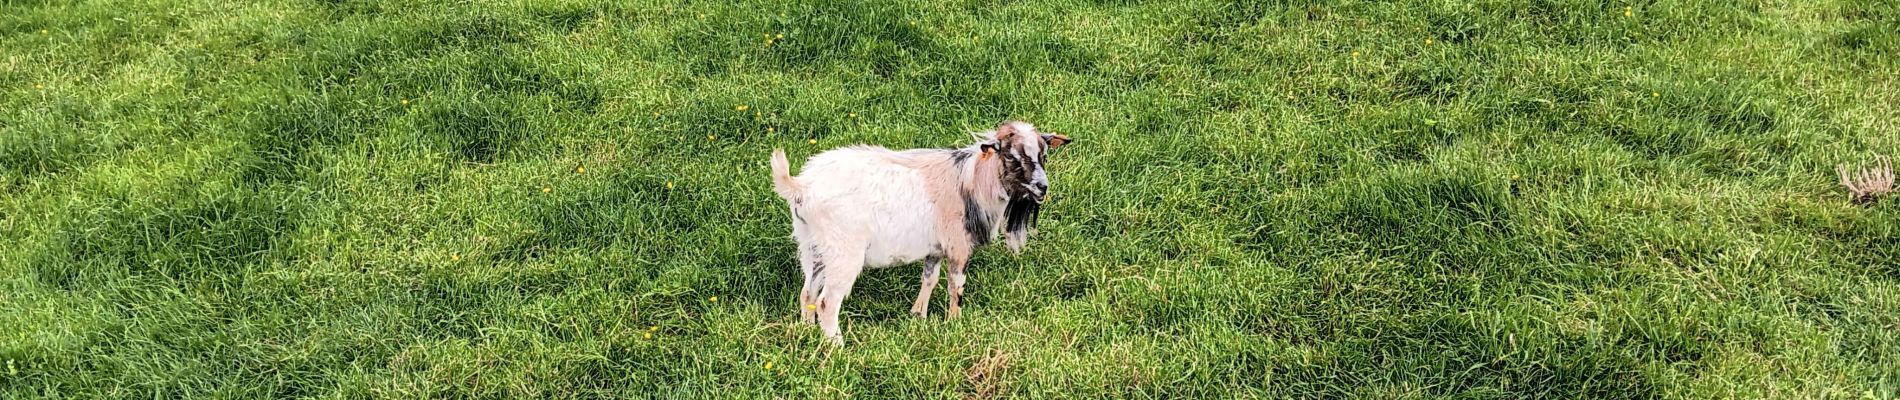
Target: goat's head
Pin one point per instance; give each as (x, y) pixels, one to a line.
(1021, 150)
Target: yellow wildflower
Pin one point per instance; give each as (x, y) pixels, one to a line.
(741, 107)
(768, 365)
(455, 257)
(580, 170)
(1629, 11)
(714, 299)
(42, 31)
(770, 129)
(779, 36)
(811, 141)
(853, 115)
(39, 86)
(669, 185)
(1655, 94)
(648, 335)
(405, 102)
(711, 137)
(1428, 42)
(545, 189)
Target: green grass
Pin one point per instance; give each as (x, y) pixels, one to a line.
(1490, 199)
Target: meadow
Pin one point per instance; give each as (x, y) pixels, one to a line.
(1266, 199)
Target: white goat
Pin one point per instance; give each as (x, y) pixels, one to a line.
(867, 206)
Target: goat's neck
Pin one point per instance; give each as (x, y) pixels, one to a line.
(982, 181)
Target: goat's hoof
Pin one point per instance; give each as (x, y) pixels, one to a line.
(919, 314)
(835, 341)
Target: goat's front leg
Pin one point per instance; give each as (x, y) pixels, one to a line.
(956, 286)
(932, 265)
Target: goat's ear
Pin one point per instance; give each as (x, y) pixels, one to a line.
(1055, 140)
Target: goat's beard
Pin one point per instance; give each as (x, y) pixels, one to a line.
(1021, 215)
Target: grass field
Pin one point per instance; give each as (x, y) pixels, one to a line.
(569, 198)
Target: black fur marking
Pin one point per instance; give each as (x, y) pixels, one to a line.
(817, 265)
(1017, 170)
(1022, 213)
(959, 156)
(930, 266)
(975, 222)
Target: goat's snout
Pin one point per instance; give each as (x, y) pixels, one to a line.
(1035, 190)
(1039, 184)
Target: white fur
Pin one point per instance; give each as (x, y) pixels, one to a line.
(873, 200)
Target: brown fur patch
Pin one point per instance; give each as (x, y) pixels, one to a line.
(946, 183)
(982, 184)
(943, 186)
(1006, 131)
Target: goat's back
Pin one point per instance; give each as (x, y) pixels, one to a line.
(869, 195)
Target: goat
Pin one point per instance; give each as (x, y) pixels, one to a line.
(867, 206)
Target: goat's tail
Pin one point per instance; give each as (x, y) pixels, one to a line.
(782, 181)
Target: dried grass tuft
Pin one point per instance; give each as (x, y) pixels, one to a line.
(1869, 184)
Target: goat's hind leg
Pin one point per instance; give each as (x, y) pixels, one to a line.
(837, 271)
(932, 265)
(808, 259)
